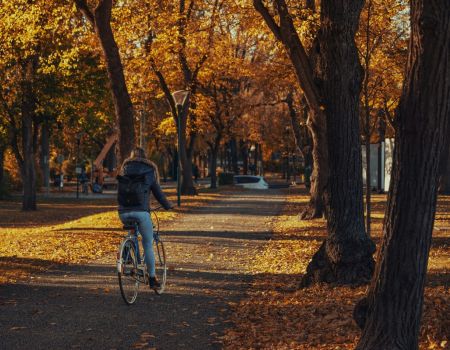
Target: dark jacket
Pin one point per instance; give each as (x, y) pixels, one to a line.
(143, 167)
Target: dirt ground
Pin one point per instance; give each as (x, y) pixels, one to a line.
(235, 261)
(210, 248)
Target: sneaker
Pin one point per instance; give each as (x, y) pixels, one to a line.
(153, 282)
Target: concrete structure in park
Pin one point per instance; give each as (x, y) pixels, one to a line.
(381, 157)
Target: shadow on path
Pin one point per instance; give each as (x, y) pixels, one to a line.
(79, 306)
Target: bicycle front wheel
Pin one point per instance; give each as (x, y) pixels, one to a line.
(160, 264)
(127, 271)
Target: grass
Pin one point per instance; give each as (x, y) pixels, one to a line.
(66, 230)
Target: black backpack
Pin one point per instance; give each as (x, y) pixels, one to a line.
(131, 190)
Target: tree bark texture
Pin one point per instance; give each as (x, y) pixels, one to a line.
(187, 183)
(319, 176)
(214, 147)
(101, 21)
(295, 123)
(366, 128)
(28, 170)
(346, 255)
(392, 310)
(287, 34)
(316, 206)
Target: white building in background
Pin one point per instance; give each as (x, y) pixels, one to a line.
(385, 157)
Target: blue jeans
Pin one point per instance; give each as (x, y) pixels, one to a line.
(146, 229)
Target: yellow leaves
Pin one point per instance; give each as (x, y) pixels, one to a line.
(75, 241)
(26, 26)
(167, 127)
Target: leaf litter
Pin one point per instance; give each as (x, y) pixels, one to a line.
(278, 315)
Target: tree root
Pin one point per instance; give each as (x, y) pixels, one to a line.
(360, 312)
(311, 212)
(343, 263)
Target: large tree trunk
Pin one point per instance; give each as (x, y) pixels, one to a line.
(346, 255)
(101, 20)
(287, 34)
(121, 98)
(187, 183)
(28, 170)
(367, 128)
(392, 311)
(295, 122)
(315, 207)
(319, 178)
(214, 147)
(234, 156)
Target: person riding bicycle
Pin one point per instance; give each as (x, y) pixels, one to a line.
(134, 204)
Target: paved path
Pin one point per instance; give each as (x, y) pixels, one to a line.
(209, 250)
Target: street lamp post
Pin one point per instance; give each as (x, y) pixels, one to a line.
(181, 99)
(179, 111)
(77, 167)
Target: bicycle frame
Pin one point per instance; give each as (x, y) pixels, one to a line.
(133, 235)
(131, 265)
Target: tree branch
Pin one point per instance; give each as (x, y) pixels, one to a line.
(165, 88)
(103, 10)
(274, 27)
(83, 7)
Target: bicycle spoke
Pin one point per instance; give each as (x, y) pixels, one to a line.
(127, 274)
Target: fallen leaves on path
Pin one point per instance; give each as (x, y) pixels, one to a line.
(65, 230)
(278, 315)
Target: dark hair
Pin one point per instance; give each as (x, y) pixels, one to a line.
(138, 152)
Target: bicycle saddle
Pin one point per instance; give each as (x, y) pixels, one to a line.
(128, 225)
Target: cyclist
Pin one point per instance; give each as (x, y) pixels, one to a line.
(138, 166)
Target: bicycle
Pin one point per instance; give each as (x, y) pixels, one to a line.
(131, 267)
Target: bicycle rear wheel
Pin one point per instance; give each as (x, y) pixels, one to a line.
(160, 264)
(127, 271)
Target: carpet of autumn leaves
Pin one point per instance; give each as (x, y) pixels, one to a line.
(278, 315)
(65, 230)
